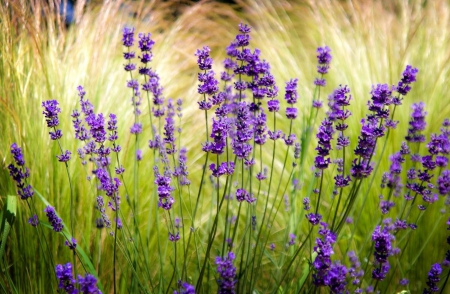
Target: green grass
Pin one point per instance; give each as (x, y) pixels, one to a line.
(39, 60)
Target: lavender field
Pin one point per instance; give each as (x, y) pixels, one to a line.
(244, 147)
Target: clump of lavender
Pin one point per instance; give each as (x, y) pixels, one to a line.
(227, 272)
(20, 173)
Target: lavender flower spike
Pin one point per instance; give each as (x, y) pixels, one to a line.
(65, 277)
(227, 273)
(433, 279)
(88, 284)
(53, 219)
(21, 173)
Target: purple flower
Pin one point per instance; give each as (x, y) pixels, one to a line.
(307, 206)
(209, 84)
(381, 270)
(225, 168)
(88, 284)
(433, 279)
(291, 95)
(164, 191)
(321, 162)
(72, 244)
(51, 110)
(275, 135)
(21, 173)
(186, 289)
(324, 136)
(128, 37)
(53, 219)
(443, 183)
(355, 271)
(110, 186)
(227, 273)
(244, 132)
(136, 128)
(409, 76)
(342, 181)
(417, 123)
(242, 194)
(289, 140)
(260, 128)
(382, 239)
(145, 44)
(336, 278)
(203, 60)
(65, 277)
(97, 127)
(291, 112)
(33, 221)
(139, 155)
(291, 239)
(174, 237)
(323, 56)
(324, 250)
(64, 157)
(317, 104)
(313, 218)
(273, 105)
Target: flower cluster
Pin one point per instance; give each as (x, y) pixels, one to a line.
(324, 60)
(186, 289)
(227, 272)
(383, 249)
(433, 279)
(88, 284)
(51, 111)
(322, 264)
(324, 136)
(20, 173)
(164, 190)
(372, 129)
(65, 277)
(417, 124)
(53, 219)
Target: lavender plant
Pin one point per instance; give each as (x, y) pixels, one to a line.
(249, 184)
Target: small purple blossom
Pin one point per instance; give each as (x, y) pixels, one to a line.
(33, 221)
(433, 279)
(53, 219)
(88, 284)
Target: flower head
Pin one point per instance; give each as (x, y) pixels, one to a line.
(227, 273)
(53, 219)
(65, 277)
